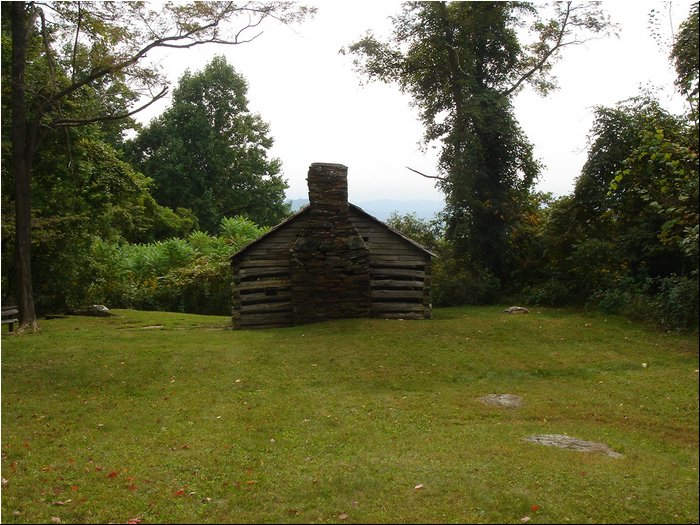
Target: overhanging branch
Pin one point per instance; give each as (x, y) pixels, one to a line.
(106, 118)
(436, 177)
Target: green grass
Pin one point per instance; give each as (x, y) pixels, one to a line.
(172, 418)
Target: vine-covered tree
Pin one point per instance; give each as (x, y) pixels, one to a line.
(685, 55)
(65, 58)
(462, 63)
(208, 152)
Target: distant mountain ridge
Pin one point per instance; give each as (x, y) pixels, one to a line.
(383, 208)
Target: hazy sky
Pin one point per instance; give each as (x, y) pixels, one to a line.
(319, 112)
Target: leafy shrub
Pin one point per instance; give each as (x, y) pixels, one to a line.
(677, 302)
(457, 284)
(550, 293)
(191, 275)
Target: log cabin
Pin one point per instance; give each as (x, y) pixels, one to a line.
(329, 260)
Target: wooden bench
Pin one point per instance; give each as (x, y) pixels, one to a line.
(9, 314)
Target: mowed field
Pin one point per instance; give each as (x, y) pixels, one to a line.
(150, 417)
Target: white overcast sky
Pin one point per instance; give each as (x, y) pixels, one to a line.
(319, 112)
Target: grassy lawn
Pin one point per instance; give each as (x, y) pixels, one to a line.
(170, 418)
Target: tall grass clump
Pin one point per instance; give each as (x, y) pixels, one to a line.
(188, 275)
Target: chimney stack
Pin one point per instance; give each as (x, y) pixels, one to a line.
(329, 260)
(328, 187)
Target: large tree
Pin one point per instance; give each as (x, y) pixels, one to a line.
(208, 151)
(462, 63)
(79, 49)
(685, 54)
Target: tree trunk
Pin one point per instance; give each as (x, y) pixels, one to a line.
(22, 149)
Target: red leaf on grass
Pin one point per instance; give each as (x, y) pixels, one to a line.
(179, 492)
(132, 487)
(535, 508)
(113, 474)
(134, 521)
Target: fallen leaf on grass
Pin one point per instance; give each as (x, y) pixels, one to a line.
(134, 521)
(251, 482)
(342, 516)
(535, 508)
(418, 487)
(179, 492)
(55, 519)
(61, 503)
(113, 474)
(525, 519)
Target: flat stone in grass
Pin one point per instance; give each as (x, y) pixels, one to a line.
(502, 400)
(559, 440)
(516, 310)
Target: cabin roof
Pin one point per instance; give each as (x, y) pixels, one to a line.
(303, 211)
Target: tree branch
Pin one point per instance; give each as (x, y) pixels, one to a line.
(75, 43)
(558, 45)
(172, 41)
(436, 177)
(106, 118)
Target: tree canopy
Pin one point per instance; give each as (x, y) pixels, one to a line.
(462, 62)
(208, 151)
(76, 64)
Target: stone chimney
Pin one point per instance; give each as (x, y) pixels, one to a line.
(329, 260)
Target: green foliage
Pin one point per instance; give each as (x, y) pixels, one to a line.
(626, 240)
(240, 230)
(81, 65)
(208, 152)
(429, 233)
(190, 275)
(462, 62)
(685, 54)
(454, 280)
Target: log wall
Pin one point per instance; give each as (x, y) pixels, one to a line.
(262, 293)
(399, 272)
(262, 285)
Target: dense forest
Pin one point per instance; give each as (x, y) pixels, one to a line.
(98, 209)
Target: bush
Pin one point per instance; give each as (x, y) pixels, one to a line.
(456, 284)
(189, 275)
(677, 302)
(550, 293)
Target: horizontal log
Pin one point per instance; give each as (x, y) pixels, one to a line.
(248, 298)
(397, 307)
(285, 306)
(393, 283)
(379, 258)
(400, 315)
(262, 284)
(376, 273)
(396, 294)
(246, 273)
(259, 263)
(384, 263)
